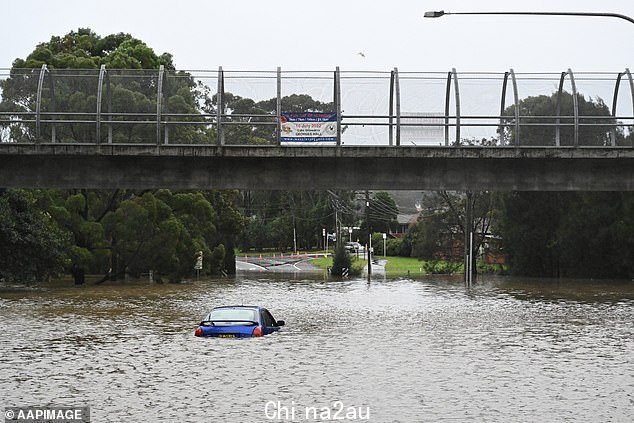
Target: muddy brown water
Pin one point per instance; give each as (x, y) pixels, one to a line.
(402, 350)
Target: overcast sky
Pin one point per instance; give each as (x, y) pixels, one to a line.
(327, 33)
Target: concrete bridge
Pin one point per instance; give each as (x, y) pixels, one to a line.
(69, 128)
(307, 168)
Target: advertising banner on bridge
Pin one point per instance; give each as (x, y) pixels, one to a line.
(311, 128)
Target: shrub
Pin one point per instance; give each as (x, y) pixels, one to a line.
(442, 267)
(340, 261)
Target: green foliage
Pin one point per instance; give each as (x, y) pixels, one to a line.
(565, 234)
(494, 269)
(76, 91)
(402, 265)
(382, 214)
(217, 259)
(273, 215)
(442, 267)
(431, 236)
(84, 49)
(117, 231)
(32, 245)
(394, 246)
(163, 231)
(438, 227)
(540, 135)
(340, 261)
(263, 134)
(570, 234)
(322, 262)
(439, 232)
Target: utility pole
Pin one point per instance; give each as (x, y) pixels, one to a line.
(367, 221)
(468, 240)
(294, 235)
(336, 227)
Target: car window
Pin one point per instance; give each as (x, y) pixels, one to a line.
(237, 316)
(269, 321)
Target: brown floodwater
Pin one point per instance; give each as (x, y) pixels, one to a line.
(393, 350)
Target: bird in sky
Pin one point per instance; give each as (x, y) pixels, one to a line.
(361, 54)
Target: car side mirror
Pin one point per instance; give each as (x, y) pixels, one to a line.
(280, 322)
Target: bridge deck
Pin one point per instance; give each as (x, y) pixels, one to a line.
(88, 165)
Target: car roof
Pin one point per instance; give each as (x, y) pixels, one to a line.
(239, 306)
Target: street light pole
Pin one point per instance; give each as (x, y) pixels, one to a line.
(439, 13)
(367, 220)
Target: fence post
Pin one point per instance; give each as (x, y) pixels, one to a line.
(558, 110)
(502, 127)
(397, 92)
(38, 104)
(455, 81)
(575, 105)
(629, 78)
(102, 71)
(220, 106)
(278, 107)
(109, 101)
(53, 105)
(159, 100)
(447, 98)
(516, 100)
(337, 100)
(391, 110)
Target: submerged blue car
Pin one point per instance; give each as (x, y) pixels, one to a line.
(238, 322)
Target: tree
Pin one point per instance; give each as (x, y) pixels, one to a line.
(230, 222)
(383, 213)
(341, 261)
(596, 236)
(528, 226)
(75, 91)
(559, 234)
(162, 232)
(120, 230)
(594, 132)
(566, 234)
(273, 215)
(249, 131)
(32, 245)
(440, 230)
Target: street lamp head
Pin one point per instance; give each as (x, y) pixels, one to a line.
(434, 14)
(437, 14)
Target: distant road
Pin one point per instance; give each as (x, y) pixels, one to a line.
(281, 264)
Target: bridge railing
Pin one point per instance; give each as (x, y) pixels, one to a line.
(395, 108)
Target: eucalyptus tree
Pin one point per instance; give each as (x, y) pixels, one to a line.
(120, 230)
(587, 234)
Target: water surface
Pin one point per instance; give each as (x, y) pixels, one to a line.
(407, 350)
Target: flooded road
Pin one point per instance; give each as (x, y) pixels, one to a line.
(402, 350)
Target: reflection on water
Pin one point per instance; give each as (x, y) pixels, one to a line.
(410, 350)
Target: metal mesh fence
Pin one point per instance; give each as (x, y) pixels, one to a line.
(188, 114)
(69, 106)
(235, 107)
(249, 107)
(365, 108)
(18, 115)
